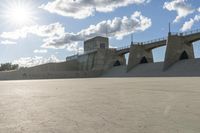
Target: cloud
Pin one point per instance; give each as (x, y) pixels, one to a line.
(80, 9)
(54, 35)
(34, 61)
(118, 27)
(40, 51)
(188, 24)
(55, 29)
(180, 6)
(7, 42)
(198, 9)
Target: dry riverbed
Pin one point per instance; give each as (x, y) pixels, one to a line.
(101, 105)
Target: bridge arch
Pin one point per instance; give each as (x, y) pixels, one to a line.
(159, 54)
(174, 53)
(117, 63)
(196, 48)
(184, 56)
(143, 60)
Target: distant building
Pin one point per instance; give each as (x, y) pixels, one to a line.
(96, 43)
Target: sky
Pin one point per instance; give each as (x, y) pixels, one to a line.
(34, 32)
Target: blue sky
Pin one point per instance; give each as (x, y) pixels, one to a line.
(50, 32)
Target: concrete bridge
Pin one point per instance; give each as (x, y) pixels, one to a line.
(141, 52)
(149, 45)
(179, 47)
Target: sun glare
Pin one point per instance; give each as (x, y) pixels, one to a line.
(19, 16)
(19, 13)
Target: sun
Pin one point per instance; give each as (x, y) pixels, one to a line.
(19, 13)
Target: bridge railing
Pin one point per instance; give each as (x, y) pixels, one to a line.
(161, 39)
(175, 33)
(155, 40)
(186, 33)
(141, 43)
(191, 32)
(72, 57)
(124, 47)
(75, 56)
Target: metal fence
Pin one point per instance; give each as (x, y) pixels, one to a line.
(191, 32)
(72, 57)
(142, 43)
(75, 56)
(155, 40)
(186, 33)
(124, 47)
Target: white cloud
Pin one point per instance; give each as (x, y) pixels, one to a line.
(54, 35)
(188, 24)
(198, 9)
(40, 51)
(80, 9)
(8, 42)
(180, 6)
(55, 29)
(34, 61)
(118, 27)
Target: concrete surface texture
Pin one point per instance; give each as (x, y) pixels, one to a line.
(142, 53)
(102, 59)
(101, 105)
(139, 55)
(177, 46)
(182, 68)
(96, 43)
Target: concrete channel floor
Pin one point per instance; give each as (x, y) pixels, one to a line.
(101, 105)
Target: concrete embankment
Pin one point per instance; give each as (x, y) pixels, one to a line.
(49, 71)
(185, 68)
(189, 67)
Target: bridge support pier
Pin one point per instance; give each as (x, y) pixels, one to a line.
(178, 48)
(139, 55)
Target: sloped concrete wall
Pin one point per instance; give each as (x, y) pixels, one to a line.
(105, 59)
(62, 66)
(88, 65)
(176, 45)
(137, 52)
(69, 69)
(49, 71)
(86, 62)
(183, 68)
(27, 74)
(100, 60)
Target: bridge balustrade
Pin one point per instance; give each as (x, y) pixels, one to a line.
(186, 33)
(124, 47)
(191, 32)
(155, 40)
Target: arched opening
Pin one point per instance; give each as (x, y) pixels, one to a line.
(196, 48)
(143, 60)
(159, 54)
(117, 63)
(127, 58)
(184, 56)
